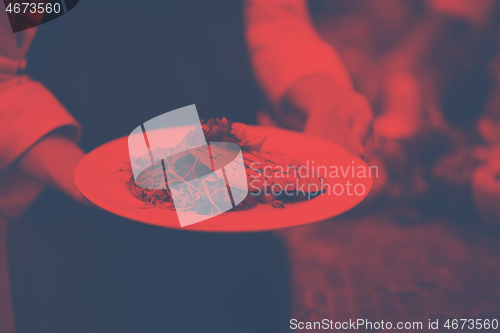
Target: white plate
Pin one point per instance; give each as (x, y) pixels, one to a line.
(102, 174)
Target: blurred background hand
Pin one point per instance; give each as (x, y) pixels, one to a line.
(318, 107)
(349, 122)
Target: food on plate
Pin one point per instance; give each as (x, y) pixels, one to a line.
(272, 178)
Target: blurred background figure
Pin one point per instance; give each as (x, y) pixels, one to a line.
(305, 80)
(429, 70)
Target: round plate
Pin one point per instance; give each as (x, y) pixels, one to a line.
(102, 175)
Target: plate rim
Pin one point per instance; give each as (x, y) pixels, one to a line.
(196, 227)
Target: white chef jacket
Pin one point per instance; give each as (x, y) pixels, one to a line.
(28, 112)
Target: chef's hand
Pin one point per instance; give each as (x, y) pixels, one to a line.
(53, 161)
(335, 114)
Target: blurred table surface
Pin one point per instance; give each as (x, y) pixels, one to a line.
(377, 268)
